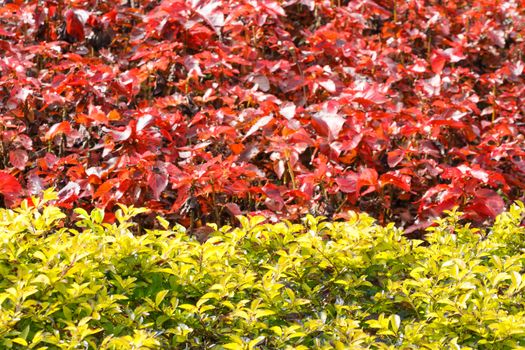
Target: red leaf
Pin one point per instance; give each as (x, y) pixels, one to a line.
(143, 121)
(258, 124)
(328, 123)
(262, 81)
(517, 68)
(51, 98)
(279, 167)
(157, 183)
(398, 180)
(288, 110)
(233, 209)
(274, 200)
(74, 26)
(18, 158)
(105, 189)
(328, 85)
(273, 8)
(420, 66)
(395, 157)
(487, 203)
(368, 94)
(183, 193)
(69, 194)
(336, 148)
(59, 128)
(437, 62)
(121, 135)
(9, 185)
(212, 14)
(347, 184)
(35, 184)
(367, 177)
(432, 86)
(349, 145)
(4, 32)
(476, 172)
(236, 148)
(439, 198)
(497, 37)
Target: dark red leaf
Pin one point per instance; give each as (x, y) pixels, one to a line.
(157, 183)
(18, 158)
(487, 203)
(274, 200)
(233, 209)
(347, 184)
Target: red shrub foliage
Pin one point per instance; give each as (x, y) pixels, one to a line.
(206, 109)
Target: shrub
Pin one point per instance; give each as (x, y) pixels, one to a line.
(321, 285)
(215, 108)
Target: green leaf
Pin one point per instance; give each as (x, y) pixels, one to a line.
(160, 297)
(20, 341)
(253, 343)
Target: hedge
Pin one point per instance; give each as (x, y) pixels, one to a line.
(315, 285)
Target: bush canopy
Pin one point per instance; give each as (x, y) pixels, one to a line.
(316, 285)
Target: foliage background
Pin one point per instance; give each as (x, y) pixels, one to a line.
(203, 110)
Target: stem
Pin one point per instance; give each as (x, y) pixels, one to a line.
(429, 43)
(395, 11)
(327, 258)
(494, 102)
(296, 61)
(341, 205)
(63, 144)
(214, 202)
(292, 175)
(2, 155)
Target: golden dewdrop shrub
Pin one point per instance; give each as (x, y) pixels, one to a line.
(319, 285)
